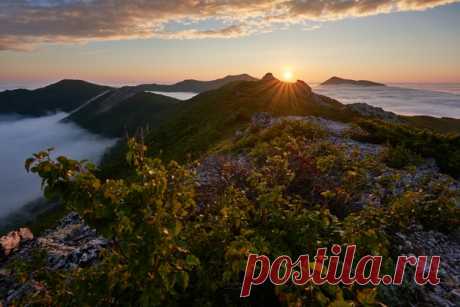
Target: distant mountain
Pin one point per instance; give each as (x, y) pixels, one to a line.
(340, 81)
(197, 86)
(64, 95)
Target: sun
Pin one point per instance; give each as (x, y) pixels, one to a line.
(288, 76)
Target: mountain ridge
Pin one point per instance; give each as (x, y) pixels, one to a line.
(141, 110)
(198, 86)
(64, 95)
(110, 104)
(69, 94)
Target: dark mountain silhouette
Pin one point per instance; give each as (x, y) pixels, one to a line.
(105, 113)
(197, 86)
(340, 81)
(69, 95)
(141, 110)
(64, 95)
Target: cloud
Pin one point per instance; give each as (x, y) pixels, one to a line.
(227, 32)
(27, 23)
(25, 136)
(337, 9)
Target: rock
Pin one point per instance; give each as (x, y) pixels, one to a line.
(455, 294)
(261, 120)
(265, 120)
(269, 77)
(26, 234)
(13, 240)
(418, 242)
(70, 245)
(370, 111)
(10, 242)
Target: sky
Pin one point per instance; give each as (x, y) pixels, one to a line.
(129, 42)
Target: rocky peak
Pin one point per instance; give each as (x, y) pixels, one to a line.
(303, 86)
(269, 77)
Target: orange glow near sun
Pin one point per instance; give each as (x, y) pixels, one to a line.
(288, 76)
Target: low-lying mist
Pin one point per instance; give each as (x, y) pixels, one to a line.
(21, 137)
(432, 100)
(177, 95)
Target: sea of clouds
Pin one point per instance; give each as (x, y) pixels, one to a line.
(439, 100)
(21, 137)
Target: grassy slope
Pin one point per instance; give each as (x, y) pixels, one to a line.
(214, 115)
(442, 125)
(64, 95)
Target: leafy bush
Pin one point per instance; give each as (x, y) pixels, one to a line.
(298, 195)
(444, 148)
(149, 261)
(399, 157)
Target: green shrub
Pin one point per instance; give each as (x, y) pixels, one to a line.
(400, 157)
(149, 261)
(444, 148)
(297, 196)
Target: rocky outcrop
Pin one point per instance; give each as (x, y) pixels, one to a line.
(13, 240)
(269, 77)
(72, 243)
(416, 241)
(261, 120)
(69, 245)
(375, 112)
(264, 120)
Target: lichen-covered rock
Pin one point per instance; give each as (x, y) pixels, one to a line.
(72, 243)
(12, 241)
(69, 245)
(417, 241)
(261, 120)
(370, 111)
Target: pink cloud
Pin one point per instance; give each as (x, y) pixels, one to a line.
(25, 24)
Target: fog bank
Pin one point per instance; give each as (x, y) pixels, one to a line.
(21, 137)
(431, 100)
(177, 95)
